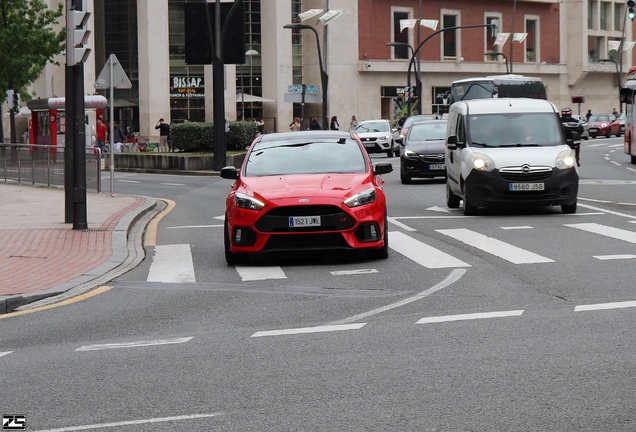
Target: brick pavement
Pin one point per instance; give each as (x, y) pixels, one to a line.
(38, 251)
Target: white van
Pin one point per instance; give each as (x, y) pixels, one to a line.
(509, 152)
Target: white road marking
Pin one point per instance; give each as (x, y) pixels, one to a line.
(438, 209)
(400, 224)
(450, 279)
(595, 145)
(472, 316)
(615, 163)
(319, 329)
(434, 217)
(601, 306)
(195, 226)
(631, 169)
(172, 184)
(495, 247)
(5, 353)
(130, 423)
(606, 211)
(220, 217)
(172, 263)
(129, 181)
(616, 233)
(260, 273)
(614, 257)
(616, 145)
(99, 347)
(351, 272)
(517, 227)
(422, 253)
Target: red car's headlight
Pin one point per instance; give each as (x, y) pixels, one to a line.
(247, 202)
(364, 197)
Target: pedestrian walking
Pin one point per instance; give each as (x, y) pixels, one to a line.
(102, 135)
(164, 132)
(588, 115)
(334, 123)
(314, 125)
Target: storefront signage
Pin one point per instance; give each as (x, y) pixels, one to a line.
(187, 87)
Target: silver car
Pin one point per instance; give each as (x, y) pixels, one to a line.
(586, 127)
(378, 136)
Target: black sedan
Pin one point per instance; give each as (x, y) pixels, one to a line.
(424, 152)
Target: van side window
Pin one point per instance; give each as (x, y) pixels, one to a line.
(461, 138)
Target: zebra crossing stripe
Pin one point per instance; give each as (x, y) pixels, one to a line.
(495, 247)
(172, 263)
(260, 273)
(616, 233)
(422, 253)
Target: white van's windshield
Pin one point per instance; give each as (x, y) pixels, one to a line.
(514, 130)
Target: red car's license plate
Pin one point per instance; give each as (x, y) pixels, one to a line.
(304, 221)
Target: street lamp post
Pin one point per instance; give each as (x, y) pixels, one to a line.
(324, 78)
(417, 50)
(618, 77)
(494, 54)
(248, 53)
(408, 78)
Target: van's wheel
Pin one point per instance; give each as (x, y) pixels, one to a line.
(569, 208)
(469, 209)
(452, 200)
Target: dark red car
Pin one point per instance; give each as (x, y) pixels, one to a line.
(604, 125)
(306, 191)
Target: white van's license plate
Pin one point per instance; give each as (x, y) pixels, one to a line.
(526, 187)
(295, 221)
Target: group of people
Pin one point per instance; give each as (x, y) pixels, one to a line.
(127, 139)
(315, 125)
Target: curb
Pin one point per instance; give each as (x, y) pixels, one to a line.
(120, 253)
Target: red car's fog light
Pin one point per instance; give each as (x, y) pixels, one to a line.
(368, 232)
(243, 237)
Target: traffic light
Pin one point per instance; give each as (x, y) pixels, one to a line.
(77, 36)
(10, 99)
(630, 12)
(16, 102)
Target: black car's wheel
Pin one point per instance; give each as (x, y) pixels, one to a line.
(389, 152)
(452, 200)
(618, 134)
(569, 208)
(230, 257)
(469, 209)
(396, 151)
(404, 178)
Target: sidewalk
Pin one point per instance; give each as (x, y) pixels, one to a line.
(41, 256)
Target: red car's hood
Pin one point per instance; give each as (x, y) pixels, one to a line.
(304, 185)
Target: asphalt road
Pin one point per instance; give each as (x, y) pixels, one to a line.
(508, 321)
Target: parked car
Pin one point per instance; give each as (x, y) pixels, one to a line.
(306, 191)
(378, 136)
(509, 152)
(604, 125)
(423, 155)
(585, 126)
(621, 121)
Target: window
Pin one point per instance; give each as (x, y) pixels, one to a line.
(404, 36)
(591, 14)
(449, 37)
(491, 35)
(532, 44)
(594, 48)
(618, 24)
(605, 15)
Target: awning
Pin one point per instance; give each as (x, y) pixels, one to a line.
(251, 98)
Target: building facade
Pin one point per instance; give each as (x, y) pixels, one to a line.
(578, 48)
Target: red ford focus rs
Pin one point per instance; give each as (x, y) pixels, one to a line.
(306, 191)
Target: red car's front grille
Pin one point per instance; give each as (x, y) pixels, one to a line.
(331, 219)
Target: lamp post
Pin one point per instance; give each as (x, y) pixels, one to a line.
(494, 54)
(618, 77)
(324, 78)
(417, 50)
(408, 78)
(248, 53)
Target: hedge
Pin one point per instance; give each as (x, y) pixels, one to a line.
(198, 137)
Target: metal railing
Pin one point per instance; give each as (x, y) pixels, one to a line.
(44, 165)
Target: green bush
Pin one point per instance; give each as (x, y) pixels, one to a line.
(192, 137)
(241, 134)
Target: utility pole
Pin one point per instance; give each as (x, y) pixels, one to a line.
(77, 36)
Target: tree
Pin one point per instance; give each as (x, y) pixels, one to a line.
(28, 43)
